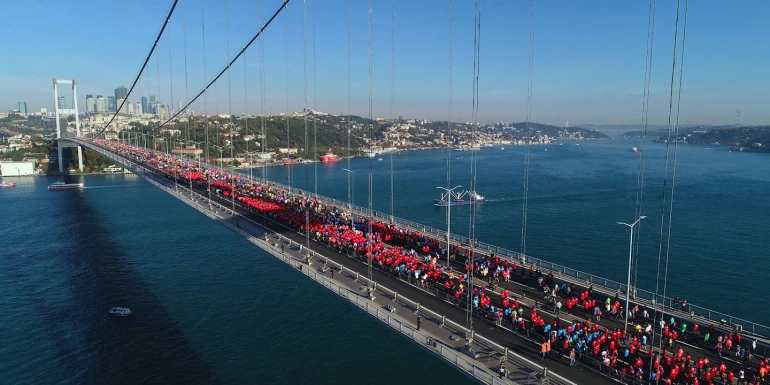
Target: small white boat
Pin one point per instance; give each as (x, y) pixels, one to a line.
(120, 311)
(7, 184)
(379, 159)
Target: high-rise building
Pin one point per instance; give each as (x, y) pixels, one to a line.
(124, 109)
(163, 111)
(121, 93)
(22, 107)
(62, 103)
(101, 104)
(152, 98)
(111, 104)
(90, 104)
(144, 104)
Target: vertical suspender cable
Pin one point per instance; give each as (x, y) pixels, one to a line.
(187, 121)
(371, 139)
(230, 104)
(676, 142)
(170, 75)
(286, 74)
(171, 107)
(246, 116)
(449, 129)
(304, 73)
(643, 142)
(472, 217)
(392, 92)
(184, 44)
(525, 200)
(665, 178)
(350, 174)
(307, 153)
(205, 97)
(262, 90)
(315, 119)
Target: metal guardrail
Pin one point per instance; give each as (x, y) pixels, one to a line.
(513, 256)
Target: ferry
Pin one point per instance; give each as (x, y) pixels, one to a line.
(463, 198)
(290, 162)
(65, 186)
(7, 184)
(120, 311)
(113, 169)
(329, 157)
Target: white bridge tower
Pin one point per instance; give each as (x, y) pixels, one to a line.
(62, 110)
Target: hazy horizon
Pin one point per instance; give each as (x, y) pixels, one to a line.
(589, 59)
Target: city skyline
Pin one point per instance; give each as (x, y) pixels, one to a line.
(588, 61)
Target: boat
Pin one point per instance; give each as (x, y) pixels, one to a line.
(462, 198)
(65, 186)
(379, 159)
(329, 157)
(120, 311)
(113, 169)
(7, 184)
(290, 162)
(635, 150)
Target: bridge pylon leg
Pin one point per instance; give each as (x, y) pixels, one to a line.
(61, 162)
(80, 159)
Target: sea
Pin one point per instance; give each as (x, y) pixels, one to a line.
(210, 308)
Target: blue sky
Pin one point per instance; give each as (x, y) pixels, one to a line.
(588, 65)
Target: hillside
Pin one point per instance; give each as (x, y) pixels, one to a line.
(754, 139)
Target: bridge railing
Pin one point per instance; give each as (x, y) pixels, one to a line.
(579, 277)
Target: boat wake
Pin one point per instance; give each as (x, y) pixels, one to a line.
(112, 186)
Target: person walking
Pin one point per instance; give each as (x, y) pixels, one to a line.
(419, 322)
(572, 357)
(501, 368)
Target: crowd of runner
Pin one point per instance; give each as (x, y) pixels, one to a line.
(417, 257)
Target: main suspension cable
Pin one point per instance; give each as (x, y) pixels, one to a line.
(146, 60)
(245, 47)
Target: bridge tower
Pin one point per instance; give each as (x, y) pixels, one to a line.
(62, 110)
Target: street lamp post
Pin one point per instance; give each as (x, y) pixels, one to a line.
(630, 250)
(449, 195)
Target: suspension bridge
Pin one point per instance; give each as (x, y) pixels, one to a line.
(440, 295)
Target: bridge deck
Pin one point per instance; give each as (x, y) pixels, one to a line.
(520, 286)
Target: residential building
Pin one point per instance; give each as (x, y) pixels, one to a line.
(90, 104)
(101, 104)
